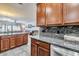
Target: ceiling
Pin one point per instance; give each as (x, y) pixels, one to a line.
(17, 10)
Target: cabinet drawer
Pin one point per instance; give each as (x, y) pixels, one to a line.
(35, 41)
(40, 43)
(25, 39)
(45, 45)
(43, 51)
(12, 42)
(5, 37)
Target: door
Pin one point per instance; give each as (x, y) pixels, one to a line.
(4, 44)
(12, 42)
(71, 13)
(43, 51)
(34, 49)
(53, 13)
(41, 14)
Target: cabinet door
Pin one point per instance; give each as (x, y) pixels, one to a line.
(25, 39)
(4, 44)
(40, 14)
(19, 40)
(53, 13)
(33, 49)
(43, 51)
(12, 42)
(71, 13)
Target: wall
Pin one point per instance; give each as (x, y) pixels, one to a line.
(31, 14)
(26, 12)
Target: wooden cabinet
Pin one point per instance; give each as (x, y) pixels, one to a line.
(57, 14)
(34, 49)
(19, 40)
(43, 51)
(71, 13)
(53, 13)
(39, 48)
(4, 43)
(49, 14)
(41, 14)
(25, 39)
(12, 42)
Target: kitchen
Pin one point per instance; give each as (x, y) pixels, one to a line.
(39, 29)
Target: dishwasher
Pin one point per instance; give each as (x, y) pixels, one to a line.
(64, 46)
(61, 51)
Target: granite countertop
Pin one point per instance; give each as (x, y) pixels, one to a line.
(12, 33)
(48, 39)
(59, 42)
(42, 38)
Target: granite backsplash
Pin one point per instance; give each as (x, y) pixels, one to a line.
(61, 30)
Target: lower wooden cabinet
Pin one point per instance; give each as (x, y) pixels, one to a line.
(34, 49)
(11, 41)
(43, 51)
(39, 48)
(19, 40)
(25, 39)
(4, 44)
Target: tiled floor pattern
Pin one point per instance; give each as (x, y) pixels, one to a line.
(19, 51)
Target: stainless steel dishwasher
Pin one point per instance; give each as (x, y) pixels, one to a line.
(64, 46)
(61, 51)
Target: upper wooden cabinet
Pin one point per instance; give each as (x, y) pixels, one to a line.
(71, 13)
(49, 14)
(40, 14)
(57, 14)
(53, 13)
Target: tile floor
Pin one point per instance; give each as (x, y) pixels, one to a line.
(19, 51)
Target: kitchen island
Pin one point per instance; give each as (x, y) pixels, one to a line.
(12, 40)
(63, 46)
